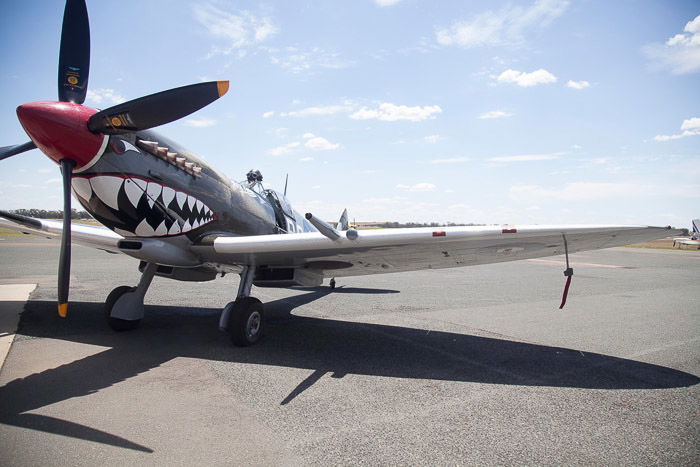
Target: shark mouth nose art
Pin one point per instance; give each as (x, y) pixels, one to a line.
(143, 208)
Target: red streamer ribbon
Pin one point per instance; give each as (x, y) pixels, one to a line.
(566, 292)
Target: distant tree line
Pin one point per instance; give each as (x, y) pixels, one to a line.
(396, 225)
(49, 214)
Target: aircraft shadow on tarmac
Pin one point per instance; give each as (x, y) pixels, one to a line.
(321, 345)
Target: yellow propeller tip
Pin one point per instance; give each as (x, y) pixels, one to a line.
(62, 310)
(222, 87)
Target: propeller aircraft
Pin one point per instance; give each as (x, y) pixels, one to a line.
(693, 238)
(182, 219)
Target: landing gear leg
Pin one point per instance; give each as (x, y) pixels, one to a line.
(124, 305)
(244, 318)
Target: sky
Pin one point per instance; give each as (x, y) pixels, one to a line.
(491, 112)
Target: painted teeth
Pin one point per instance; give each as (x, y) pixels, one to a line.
(181, 198)
(108, 189)
(134, 189)
(162, 229)
(144, 229)
(174, 229)
(153, 192)
(82, 187)
(168, 195)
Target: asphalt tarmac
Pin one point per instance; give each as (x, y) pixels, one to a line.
(451, 367)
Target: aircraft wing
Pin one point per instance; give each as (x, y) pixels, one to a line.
(686, 241)
(394, 250)
(88, 235)
(377, 251)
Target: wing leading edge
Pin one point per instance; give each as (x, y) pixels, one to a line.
(395, 250)
(92, 236)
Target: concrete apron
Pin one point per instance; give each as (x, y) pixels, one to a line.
(12, 300)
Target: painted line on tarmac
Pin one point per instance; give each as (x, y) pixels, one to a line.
(576, 263)
(12, 300)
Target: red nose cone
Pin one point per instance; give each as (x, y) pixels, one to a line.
(59, 129)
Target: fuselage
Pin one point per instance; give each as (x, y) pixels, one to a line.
(145, 185)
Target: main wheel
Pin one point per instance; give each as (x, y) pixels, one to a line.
(118, 324)
(246, 321)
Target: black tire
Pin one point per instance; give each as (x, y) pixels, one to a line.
(332, 284)
(118, 324)
(246, 321)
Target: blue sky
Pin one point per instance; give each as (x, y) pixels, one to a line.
(546, 111)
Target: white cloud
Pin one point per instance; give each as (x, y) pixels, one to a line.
(451, 160)
(689, 127)
(418, 187)
(239, 30)
(580, 191)
(494, 114)
(317, 143)
(432, 139)
(284, 149)
(527, 157)
(298, 61)
(199, 122)
(680, 53)
(384, 3)
(578, 85)
(668, 137)
(105, 96)
(306, 159)
(692, 124)
(319, 110)
(504, 27)
(524, 79)
(390, 113)
(268, 114)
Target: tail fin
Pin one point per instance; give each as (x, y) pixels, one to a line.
(343, 222)
(696, 226)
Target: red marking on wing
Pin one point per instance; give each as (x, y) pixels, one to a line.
(439, 233)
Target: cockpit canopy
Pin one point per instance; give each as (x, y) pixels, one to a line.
(279, 203)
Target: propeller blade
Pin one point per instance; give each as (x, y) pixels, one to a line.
(157, 109)
(9, 151)
(74, 58)
(64, 261)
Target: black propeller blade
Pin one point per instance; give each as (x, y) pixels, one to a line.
(74, 58)
(64, 261)
(9, 151)
(157, 109)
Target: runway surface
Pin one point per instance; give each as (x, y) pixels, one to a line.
(460, 366)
